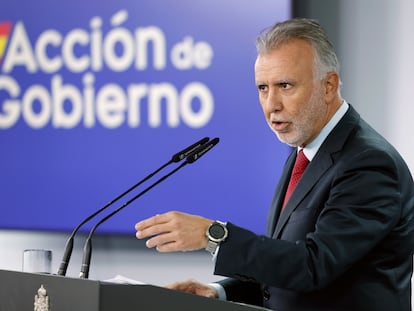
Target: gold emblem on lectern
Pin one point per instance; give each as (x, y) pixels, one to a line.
(41, 301)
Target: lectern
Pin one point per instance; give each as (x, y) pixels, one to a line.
(22, 291)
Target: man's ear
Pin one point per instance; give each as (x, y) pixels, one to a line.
(331, 84)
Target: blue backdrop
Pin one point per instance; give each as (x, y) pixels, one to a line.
(95, 95)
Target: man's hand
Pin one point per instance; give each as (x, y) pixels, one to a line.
(174, 231)
(194, 287)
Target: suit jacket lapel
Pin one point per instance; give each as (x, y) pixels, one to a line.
(278, 196)
(312, 174)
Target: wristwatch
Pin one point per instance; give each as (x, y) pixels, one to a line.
(216, 233)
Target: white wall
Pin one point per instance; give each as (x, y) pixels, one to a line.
(376, 49)
(401, 107)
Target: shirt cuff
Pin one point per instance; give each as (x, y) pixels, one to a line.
(220, 291)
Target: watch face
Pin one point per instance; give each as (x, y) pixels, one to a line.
(217, 231)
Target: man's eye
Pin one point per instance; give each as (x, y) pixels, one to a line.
(262, 87)
(284, 85)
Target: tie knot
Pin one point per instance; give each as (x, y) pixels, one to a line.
(301, 162)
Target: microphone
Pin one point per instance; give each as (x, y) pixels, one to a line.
(202, 150)
(191, 158)
(174, 159)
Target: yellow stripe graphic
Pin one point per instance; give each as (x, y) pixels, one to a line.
(3, 42)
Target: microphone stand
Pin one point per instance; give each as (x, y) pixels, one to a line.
(87, 250)
(191, 158)
(69, 243)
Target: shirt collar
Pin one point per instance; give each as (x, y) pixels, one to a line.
(312, 148)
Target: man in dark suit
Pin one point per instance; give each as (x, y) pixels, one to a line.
(344, 239)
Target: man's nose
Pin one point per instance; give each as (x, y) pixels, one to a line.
(273, 101)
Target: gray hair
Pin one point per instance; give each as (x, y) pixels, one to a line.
(305, 29)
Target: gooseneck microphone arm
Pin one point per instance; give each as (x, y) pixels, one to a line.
(174, 159)
(87, 250)
(191, 158)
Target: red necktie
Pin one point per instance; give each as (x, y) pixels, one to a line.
(300, 165)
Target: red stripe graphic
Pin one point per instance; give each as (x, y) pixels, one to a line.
(5, 28)
(4, 36)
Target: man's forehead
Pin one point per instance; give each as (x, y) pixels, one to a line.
(285, 56)
(286, 62)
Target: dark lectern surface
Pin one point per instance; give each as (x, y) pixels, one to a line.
(18, 291)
